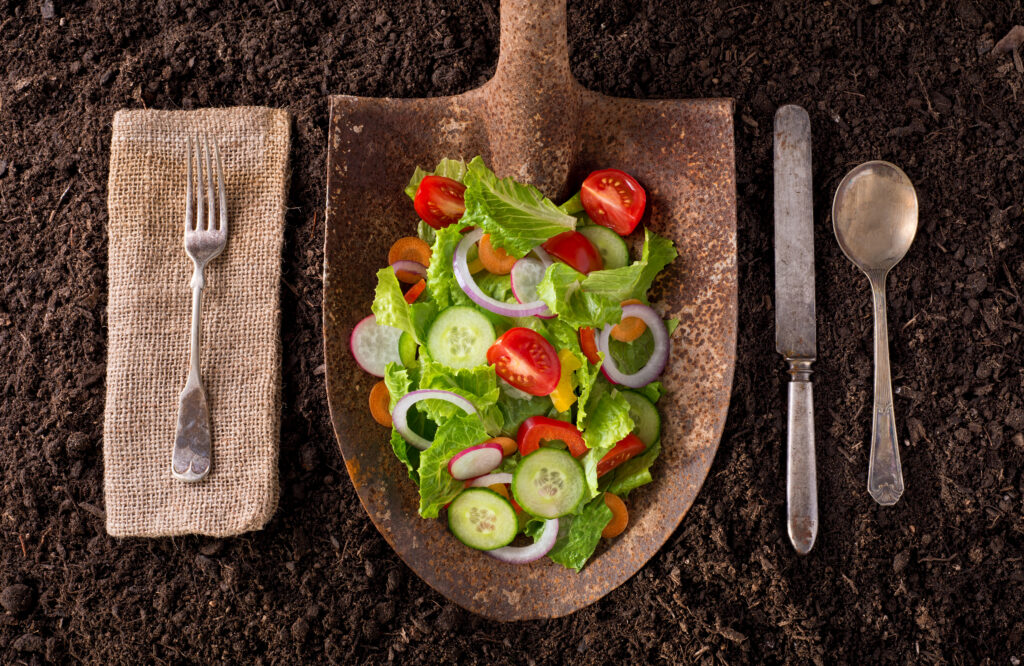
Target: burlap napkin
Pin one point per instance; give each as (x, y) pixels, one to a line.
(149, 314)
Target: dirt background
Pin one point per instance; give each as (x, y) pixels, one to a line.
(938, 578)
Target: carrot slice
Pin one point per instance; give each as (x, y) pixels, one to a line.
(495, 259)
(508, 445)
(620, 517)
(630, 328)
(409, 248)
(415, 291)
(501, 489)
(380, 404)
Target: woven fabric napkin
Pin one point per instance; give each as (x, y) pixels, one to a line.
(149, 315)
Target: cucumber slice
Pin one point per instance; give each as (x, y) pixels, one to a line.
(460, 338)
(549, 483)
(482, 519)
(645, 416)
(609, 245)
(407, 350)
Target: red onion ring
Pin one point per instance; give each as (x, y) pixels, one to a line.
(659, 357)
(524, 554)
(399, 415)
(414, 267)
(468, 284)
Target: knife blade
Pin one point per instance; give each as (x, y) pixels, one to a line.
(795, 331)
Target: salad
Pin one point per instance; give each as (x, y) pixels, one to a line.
(520, 363)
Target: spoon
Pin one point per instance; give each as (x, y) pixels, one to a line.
(874, 215)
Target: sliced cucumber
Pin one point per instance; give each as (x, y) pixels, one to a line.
(645, 416)
(482, 519)
(609, 245)
(549, 483)
(407, 350)
(460, 337)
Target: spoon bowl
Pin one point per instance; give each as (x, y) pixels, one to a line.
(874, 215)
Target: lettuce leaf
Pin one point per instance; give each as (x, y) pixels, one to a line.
(517, 217)
(515, 411)
(454, 169)
(634, 473)
(441, 284)
(594, 300)
(578, 535)
(399, 381)
(437, 487)
(573, 206)
(479, 385)
(609, 422)
(653, 391)
(407, 453)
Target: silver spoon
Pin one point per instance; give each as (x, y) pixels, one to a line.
(874, 216)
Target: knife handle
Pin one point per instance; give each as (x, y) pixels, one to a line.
(801, 476)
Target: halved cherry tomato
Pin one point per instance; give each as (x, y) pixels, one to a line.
(495, 259)
(630, 328)
(415, 291)
(440, 201)
(537, 428)
(620, 517)
(589, 345)
(628, 447)
(524, 359)
(613, 199)
(575, 249)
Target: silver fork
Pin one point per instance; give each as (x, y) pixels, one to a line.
(192, 450)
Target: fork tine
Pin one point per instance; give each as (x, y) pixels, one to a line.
(209, 183)
(199, 189)
(188, 187)
(220, 190)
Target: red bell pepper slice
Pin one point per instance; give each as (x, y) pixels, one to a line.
(538, 428)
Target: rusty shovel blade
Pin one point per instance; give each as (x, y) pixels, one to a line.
(534, 122)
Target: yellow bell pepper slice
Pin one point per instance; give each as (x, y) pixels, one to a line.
(564, 395)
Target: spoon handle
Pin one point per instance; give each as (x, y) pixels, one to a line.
(885, 475)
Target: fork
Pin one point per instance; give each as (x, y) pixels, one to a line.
(192, 455)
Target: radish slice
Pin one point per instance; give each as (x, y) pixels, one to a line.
(524, 554)
(414, 267)
(400, 414)
(374, 346)
(491, 479)
(468, 284)
(475, 461)
(659, 357)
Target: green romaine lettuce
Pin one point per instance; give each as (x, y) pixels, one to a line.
(609, 422)
(454, 169)
(578, 535)
(517, 217)
(437, 487)
(634, 473)
(441, 283)
(407, 453)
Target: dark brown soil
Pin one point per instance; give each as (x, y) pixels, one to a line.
(937, 578)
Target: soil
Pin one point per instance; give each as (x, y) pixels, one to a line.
(937, 578)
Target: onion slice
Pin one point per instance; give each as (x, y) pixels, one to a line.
(659, 357)
(491, 479)
(414, 267)
(476, 294)
(523, 554)
(400, 414)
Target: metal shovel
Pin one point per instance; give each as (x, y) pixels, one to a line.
(534, 122)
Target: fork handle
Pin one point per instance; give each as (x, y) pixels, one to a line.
(192, 454)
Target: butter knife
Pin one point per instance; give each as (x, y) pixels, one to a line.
(795, 335)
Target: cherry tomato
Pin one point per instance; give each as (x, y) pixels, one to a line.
(524, 359)
(573, 248)
(537, 428)
(589, 345)
(628, 447)
(440, 201)
(613, 199)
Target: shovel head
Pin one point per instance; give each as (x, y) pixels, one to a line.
(534, 122)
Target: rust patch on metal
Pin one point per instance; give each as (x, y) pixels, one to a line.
(535, 122)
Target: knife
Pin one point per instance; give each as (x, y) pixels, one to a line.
(795, 335)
